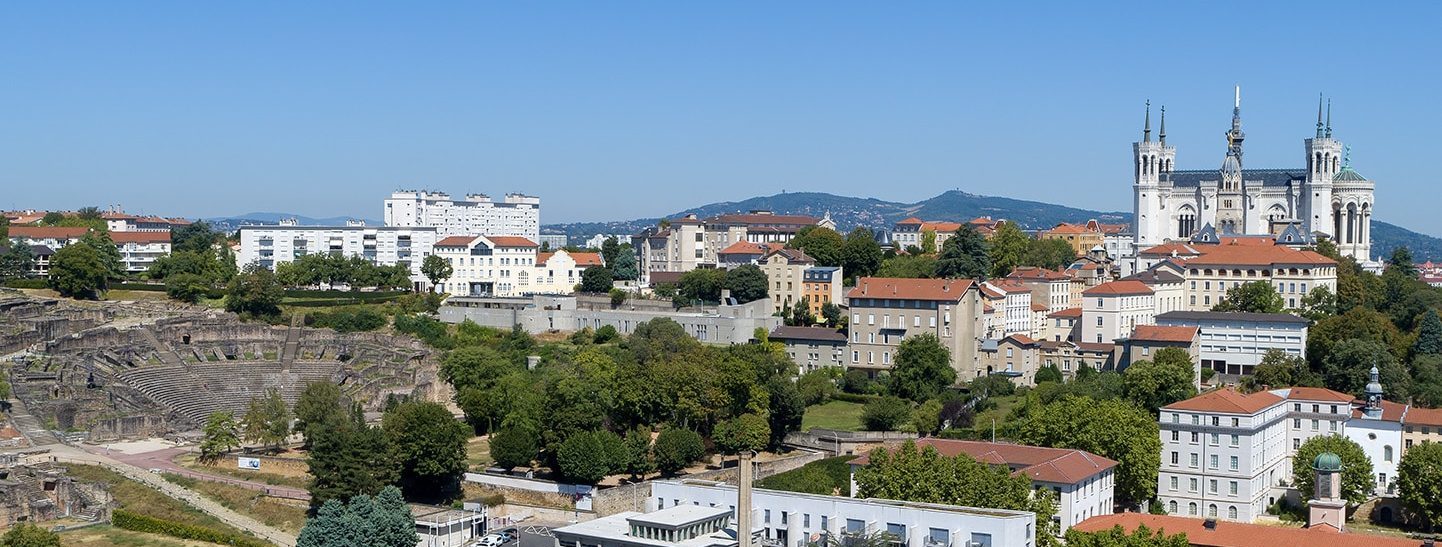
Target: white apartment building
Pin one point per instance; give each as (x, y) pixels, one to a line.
(689, 242)
(812, 348)
(138, 250)
(516, 215)
(789, 519)
(488, 266)
(1016, 311)
(1232, 343)
(1111, 310)
(54, 237)
(117, 221)
(1083, 482)
(1048, 287)
(1226, 454)
(383, 245)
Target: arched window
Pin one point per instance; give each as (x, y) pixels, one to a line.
(1172, 507)
(1232, 512)
(1387, 453)
(1212, 510)
(1192, 508)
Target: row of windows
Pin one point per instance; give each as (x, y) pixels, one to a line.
(1211, 509)
(1213, 461)
(1211, 486)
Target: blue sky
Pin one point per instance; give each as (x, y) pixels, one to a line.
(612, 110)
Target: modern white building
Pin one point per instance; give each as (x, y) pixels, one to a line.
(383, 245)
(1082, 482)
(1111, 310)
(138, 250)
(515, 215)
(1227, 455)
(554, 241)
(54, 237)
(789, 519)
(1232, 343)
(487, 265)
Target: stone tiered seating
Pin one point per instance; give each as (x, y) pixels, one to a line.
(222, 386)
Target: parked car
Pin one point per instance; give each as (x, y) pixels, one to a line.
(492, 540)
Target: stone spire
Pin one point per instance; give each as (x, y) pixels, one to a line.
(1163, 134)
(1319, 115)
(1147, 127)
(1235, 135)
(1329, 118)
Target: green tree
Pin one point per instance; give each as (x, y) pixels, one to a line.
(606, 333)
(928, 241)
(1427, 380)
(1429, 335)
(964, 255)
(588, 456)
(747, 283)
(1401, 260)
(1355, 324)
(267, 422)
(1278, 369)
(703, 284)
(1419, 483)
(1111, 428)
(885, 414)
(822, 244)
(908, 266)
(638, 453)
(319, 404)
(926, 418)
(1357, 477)
(922, 368)
(624, 268)
(1252, 296)
(596, 279)
(437, 270)
(1118, 537)
(348, 458)
(800, 314)
(832, 314)
(676, 448)
(785, 410)
(52, 218)
(78, 271)
(610, 249)
(431, 449)
(25, 534)
(1318, 304)
(382, 521)
(186, 287)
(816, 386)
(197, 237)
(1049, 373)
(16, 260)
(1009, 246)
(923, 475)
(861, 254)
(515, 445)
(255, 292)
(221, 436)
(618, 297)
(108, 252)
(1165, 380)
(747, 432)
(1051, 254)
(1347, 367)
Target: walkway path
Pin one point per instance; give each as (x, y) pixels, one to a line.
(69, 454)
(30, 426)
(292, 341)
(166, 353)
(164, 460)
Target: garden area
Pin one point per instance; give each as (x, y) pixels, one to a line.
(154, 512)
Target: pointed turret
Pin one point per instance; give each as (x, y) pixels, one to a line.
(1162, 135)
(1147, 125)
(1319, 115)
(1329, 118)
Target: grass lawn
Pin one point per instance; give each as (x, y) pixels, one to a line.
(478, 453)
(287, 515)
(1004, 404)
(282, 476)
(833, 415)
(123, 294)
(109, 536)
(829, 477)
(139, 498)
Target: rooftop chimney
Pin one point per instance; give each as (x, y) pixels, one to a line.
(1210, 523)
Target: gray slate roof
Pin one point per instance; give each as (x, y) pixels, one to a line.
(820, 334)
(1187, 316)
(1269, 177)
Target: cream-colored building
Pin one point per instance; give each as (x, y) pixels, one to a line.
(884, 311)
(690, 242)
(1210, 270)
(488, 266)
(785, 271)
(1111, 310)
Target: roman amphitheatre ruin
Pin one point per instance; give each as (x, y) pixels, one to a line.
(106, 371)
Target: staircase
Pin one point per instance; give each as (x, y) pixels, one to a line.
(292, 341)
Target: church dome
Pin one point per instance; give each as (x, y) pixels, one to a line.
(1347, 174)
(1327, 461)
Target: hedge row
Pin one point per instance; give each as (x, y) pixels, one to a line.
(127, 520)
(25, 283)
(339, 302)
(377, 295)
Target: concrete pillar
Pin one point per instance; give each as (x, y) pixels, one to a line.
(743, 501)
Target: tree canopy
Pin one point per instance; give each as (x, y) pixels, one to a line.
(1115, 429)
(964, 255)
(430, 446)
(1252, 296)
(1419, 483)
(382, 521)
(1168, 378)
(1357, 477)
(79, 271)
(922, 368)
(820, 243)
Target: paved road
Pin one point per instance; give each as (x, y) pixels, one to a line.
(68, 454)
(164, 460)
(534, 536)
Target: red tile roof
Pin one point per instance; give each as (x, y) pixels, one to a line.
(48, 232)
(1156, 333)
(140, 237)
(1032, 273)
(1021, 339)
(1069, 313)
(1316, 394)
(1170, 249)
(1424, 416)
(938, 226)
(582, 259)
(1391, 412)
(511, 241)
(1227, 401)
(1123, 287)
(949, 290)
(1068, 228)
(1052, 465)
(1039, 307)
(1256, 255)
(456, 241)
(1236, 534)
(747, 247)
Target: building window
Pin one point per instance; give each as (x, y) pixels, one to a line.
(1233, 463)
(1387, 453)
(1174, 484)
(1232, 487)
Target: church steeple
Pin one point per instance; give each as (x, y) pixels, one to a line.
(1235, 135)
(1319, 115)
(1163, 134)
(1329, 118)
(1147, 126)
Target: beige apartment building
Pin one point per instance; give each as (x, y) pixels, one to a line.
(690, 242)
(884, 311)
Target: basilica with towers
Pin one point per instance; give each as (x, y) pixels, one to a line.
(1325, 198)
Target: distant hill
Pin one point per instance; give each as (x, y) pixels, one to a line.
(953, 205)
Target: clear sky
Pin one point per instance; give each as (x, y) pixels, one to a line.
(614, 110)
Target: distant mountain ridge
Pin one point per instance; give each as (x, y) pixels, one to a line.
(952, 205)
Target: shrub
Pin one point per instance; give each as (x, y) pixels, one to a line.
(606, 333)
(127, 520)
(356, 320)
(886, 414)
(816, 387)
(826, 477)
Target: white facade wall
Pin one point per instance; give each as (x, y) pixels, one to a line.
(516, 215)
(1110, 316)
(1235, 344)
(793, 519)
(1222, 465)
(138, 256)
(385, 246)
(1381, 441)
(1083, 500)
